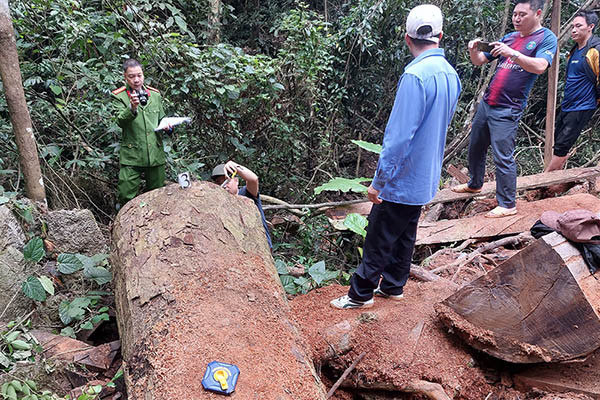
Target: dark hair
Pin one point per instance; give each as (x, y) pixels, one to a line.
(131, 63)
(422, 42)
(423, 30)
(534, 4)
(591, 18)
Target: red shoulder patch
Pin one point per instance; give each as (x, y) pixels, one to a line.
(119, 90)
(153, 89)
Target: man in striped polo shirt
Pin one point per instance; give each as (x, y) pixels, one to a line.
(522, 56)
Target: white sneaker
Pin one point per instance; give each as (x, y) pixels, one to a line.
(345, 302)
(380, 293)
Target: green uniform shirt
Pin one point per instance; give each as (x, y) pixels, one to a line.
(140, 145)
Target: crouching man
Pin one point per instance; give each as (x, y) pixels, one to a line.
(226, 176)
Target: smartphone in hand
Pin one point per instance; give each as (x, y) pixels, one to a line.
(485, 46)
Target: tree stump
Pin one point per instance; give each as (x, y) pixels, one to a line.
(541, 305)
(195, 282)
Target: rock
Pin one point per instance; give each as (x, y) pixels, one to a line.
(339, 339)
(13, 271)
(75, 231)
(11, 233)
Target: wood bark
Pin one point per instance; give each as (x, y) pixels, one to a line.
(541, 305)
(214, 22)
(552, 87)
(17, 107)
(195, 282)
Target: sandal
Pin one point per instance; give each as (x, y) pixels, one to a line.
(464, 188)
(500, 212)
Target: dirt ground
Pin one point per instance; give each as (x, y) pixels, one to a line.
(403, 342)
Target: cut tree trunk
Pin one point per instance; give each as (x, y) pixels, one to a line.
(194, 283)
(541, 305)
(17, 107)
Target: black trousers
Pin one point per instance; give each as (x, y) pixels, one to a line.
(388, 250)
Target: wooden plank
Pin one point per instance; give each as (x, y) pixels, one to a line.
(552, 87)
(479, 227)
(524, 182)
(446, 195)
(73, 350)
(457, 173)
(572, 377)
(529, 309)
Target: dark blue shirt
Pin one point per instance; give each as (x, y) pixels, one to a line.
(244, 192)
(580, 93)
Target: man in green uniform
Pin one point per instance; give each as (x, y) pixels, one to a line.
(138, 110)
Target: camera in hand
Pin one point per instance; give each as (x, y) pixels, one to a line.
(142, 96)
(485, 46)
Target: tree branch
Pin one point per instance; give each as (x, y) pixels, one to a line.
(345, 375)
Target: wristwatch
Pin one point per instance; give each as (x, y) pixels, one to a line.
(515, 54)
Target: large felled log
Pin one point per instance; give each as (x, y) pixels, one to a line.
(539, 305)
(194, 283)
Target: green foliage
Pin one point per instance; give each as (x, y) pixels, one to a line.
(24, 210)
(344, 185)
(316, 275)
(24, 390)
(35, 289)
(320, 274)
(85, 312)
(34, 250)
(372, 147)
(93, 267)
(16, 344)
(68, 263)
(73, 310)
(357, 224)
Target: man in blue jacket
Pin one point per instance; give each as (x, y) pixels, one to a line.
(410, 163)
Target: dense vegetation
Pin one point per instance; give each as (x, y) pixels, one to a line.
(284, 89)
(281, 86)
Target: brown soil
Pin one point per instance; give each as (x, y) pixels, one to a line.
(403, 342)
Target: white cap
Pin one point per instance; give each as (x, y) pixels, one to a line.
(425, 15)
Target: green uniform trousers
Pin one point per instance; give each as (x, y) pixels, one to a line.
(130, 179)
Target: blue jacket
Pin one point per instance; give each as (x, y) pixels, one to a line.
(410, 163)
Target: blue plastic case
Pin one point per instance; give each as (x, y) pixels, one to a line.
(220, 377)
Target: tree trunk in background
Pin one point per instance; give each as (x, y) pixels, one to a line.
(552, 87)
(17, 106)
(194, 283)
(214, 22)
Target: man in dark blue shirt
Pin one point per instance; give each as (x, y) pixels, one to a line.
(579, 101)
(225, 175)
